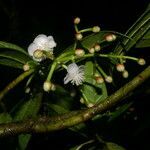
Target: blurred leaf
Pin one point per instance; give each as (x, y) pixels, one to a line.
(62, 98)
(23, 141)
(15, 56)
(119, 111)
(91, 91)
(10, 63)
(12, 47)
(28, 109)
(112, 146)
(136, 32)
(5, 118)
(57, 109)
(145, 41)
(74, 148)
(93, 148)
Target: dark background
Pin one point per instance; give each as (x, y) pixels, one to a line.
(22, 20)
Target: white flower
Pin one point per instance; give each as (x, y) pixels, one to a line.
(75, 74)
(41, 42)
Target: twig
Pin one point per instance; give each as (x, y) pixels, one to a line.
(49, 124)
(12, 84)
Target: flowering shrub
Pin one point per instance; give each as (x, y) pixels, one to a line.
(44, 71)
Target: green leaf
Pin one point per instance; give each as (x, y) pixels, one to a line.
(12, 47)
(112, 146)
(136, 32)
(74, 148)
(5, 118)
(62, 106)
(15, 56)
(11, 63)
(57, 109)
(23, 141)
(28, 109)
(87, 42)
(145, 41)
(91, 91)
(62, 98)
(98, 38)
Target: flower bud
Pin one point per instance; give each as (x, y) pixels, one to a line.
(26, 67)
(125, 74)
(47, 86)
(79, 52)
(79, 36)
(27, 90)
(92, 50)
(81, 100)
(108, 79)
(120, 67)
(96, 29)
(97, 47)
(110, 37)
(90, 105)
(77, 20)
(141, 61)
(96, 75)
(38, 54)
(99, 80)
(53, 87)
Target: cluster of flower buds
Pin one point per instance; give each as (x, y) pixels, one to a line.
(110, 37)
(99, 79)
(121, 68)
(79, 35)
(95, 48)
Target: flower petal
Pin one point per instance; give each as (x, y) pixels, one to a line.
(67, 79)
(41, 40)
(32, 47)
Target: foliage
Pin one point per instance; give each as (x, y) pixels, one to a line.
(95, 59)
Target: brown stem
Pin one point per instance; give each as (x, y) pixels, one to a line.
(48, 124)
